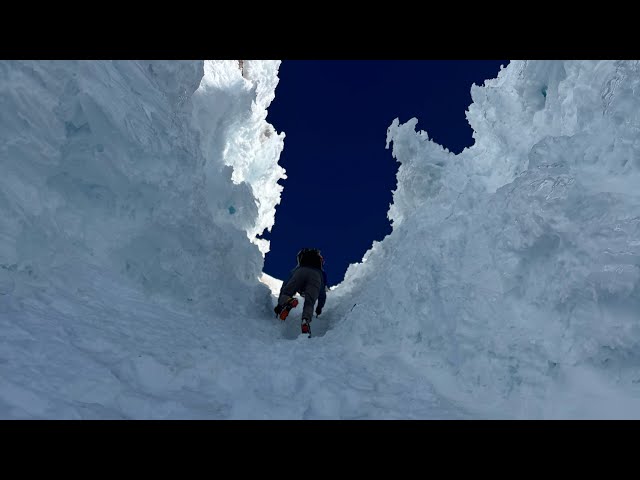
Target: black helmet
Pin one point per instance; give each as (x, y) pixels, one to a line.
(307, 251)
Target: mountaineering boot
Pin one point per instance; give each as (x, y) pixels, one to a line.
(306, 327)
(283, 311)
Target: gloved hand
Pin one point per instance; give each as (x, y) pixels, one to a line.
(318, 311)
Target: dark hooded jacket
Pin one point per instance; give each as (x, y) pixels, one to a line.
(314, 262)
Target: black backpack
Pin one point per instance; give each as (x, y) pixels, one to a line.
(309, 257)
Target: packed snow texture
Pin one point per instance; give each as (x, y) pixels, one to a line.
(128, 165)
(513, 267)
(131, 281)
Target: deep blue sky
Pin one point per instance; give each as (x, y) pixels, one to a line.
(335, 115)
